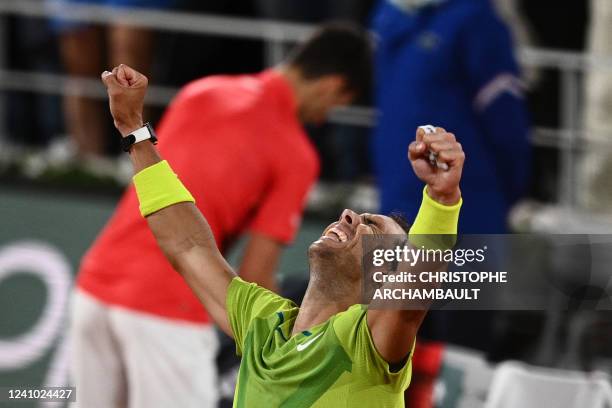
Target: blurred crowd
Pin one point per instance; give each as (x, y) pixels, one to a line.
(72, 128)
(58, 46)
(75, 125)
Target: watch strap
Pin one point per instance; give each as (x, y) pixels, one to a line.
(139, 135)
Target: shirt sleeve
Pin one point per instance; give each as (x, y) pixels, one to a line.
(248, 301)
(353, 332)
(280, 214)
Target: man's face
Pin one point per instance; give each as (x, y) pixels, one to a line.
(341, 245)
(326, 94)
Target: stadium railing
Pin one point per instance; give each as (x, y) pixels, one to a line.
(277, 35)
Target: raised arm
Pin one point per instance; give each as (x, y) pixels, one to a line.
(180, 229)
(394, 331)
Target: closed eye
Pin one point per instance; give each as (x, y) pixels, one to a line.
(370, 222)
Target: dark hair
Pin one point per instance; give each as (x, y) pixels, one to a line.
(337, 48)
(401, 220)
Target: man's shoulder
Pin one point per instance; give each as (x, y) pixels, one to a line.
(348, 320)
(240, 292)
(221, 87)
(296, 154)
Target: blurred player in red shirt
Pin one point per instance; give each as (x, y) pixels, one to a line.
(140, 337)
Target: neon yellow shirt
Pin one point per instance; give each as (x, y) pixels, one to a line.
(334, 364)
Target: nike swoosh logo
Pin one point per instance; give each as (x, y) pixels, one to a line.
(301, 347)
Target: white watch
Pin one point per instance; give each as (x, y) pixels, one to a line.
(139, 135)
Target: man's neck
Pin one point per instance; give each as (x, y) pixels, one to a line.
(294, 78)
(320, 303)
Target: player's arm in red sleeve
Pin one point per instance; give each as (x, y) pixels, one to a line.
(277, 221)
(260, 259)
(394, 331)
(180, 229)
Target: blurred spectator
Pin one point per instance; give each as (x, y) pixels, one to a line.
(344, 148)
(33, 119)
(451, 63)
(87, 50)
(239, 145)
(595, 189)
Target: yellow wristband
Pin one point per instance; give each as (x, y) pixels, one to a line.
(435, 219)
(159, 187)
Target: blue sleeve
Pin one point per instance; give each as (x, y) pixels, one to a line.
(499, 104)
(506, 126)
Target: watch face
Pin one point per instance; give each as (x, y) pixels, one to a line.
(152, 133)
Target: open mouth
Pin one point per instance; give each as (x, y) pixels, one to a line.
(337, 235)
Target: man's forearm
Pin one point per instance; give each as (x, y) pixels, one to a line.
(435, 227)
(178, 226)
(175, 229)
(184, 236)
(394, 331)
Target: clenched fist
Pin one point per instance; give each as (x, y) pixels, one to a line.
(126, 91)
(442, 181)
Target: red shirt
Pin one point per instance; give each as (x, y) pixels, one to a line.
(237, 145)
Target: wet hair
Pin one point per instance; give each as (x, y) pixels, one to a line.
(401, 220)
(337, 48)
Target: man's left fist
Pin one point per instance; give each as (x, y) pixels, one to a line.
(442, 185)
(126, 89)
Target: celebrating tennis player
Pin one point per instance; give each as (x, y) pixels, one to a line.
(331, 351)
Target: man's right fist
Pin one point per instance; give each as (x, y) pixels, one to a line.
(442, 183)
(126, 91)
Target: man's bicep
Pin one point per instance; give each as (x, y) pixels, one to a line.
(394, 332)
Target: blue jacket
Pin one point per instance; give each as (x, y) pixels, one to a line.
(451, 65)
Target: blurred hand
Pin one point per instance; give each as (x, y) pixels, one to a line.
(126, 89)
(442, 185)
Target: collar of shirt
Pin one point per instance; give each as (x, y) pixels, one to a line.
(279, 89)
